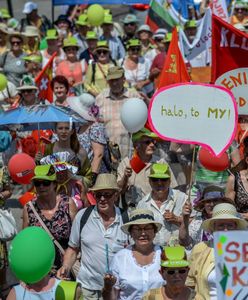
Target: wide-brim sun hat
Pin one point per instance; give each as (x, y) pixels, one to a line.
(140, 217)
(224, 211)
(44, 172)
(27, 83)
(102, 45)
(159, 171)
(105, 181)
(31, 31)
(70, 42)
(85, 106)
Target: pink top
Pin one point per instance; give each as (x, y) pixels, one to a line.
(74, 72)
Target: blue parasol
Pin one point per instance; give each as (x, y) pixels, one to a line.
(27, 118)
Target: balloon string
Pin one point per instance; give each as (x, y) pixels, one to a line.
(192, 171)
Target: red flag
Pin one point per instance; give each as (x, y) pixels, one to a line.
(229, 48)
(43, 80)
(174, 69)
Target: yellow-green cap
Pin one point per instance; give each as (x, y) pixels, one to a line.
(108, 19)
(52, 34)
(82, 20)
(168, 37)
(44, 172)
(70, 42)
(143, 132)
(91, 35)
(174, 257)
(161, 171)
(115, 73)
(33, 57)
(66, 290)
(4, 13)
(190, 24)
(133, 43)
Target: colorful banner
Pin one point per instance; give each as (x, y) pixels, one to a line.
(103, 2)
(231, 264)
(230, 61)
(202, 41)
(220, 9)
(194, 113)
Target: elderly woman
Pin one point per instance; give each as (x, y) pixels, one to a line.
(60, 87)
(55, 211)
(174, 270)
(11, 61)
(73, 69)
(191, 232)
(5, 193)
(135, 269)
(202, 274)
(136, 185)
(96, 75)
(136, 67)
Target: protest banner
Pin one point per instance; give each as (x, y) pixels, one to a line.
(219, 8)
(194, 113)
(231, 264)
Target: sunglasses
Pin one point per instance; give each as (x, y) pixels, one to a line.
(130, 24)
(71, 49)
(99, 52)
(158, 179)
(27, 91)
(178, 271)
(16, 43)
(105, 195)
(148, 142)
(38, 183)
(135, 49)
(158, 39)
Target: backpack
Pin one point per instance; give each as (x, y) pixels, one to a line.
(89, 210)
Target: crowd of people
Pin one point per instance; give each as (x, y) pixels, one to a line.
(135, 234)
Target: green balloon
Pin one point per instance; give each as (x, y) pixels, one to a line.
(3, 82)
(31, 254)
(95, 14)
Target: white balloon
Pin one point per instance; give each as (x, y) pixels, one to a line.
(134, 114)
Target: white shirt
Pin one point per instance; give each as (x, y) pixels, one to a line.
(133, 280)
(93, 240)
(212, 285)
(174, 203)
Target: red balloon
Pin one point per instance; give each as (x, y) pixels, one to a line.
(213, 163)
(21, 168)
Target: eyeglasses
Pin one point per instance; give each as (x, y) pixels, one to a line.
(16, 43)
(135, 49)
(178, 271)
(38, 183)
(105, 195)
(130, 24)
(148, 142)
(146, 229)
(99, 52)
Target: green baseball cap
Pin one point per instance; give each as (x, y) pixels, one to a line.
(160, 171)
(70, 42)
(174, 257)
(82, 20)
(91, 35)
(143, 132)
(52, 34)
(133, 43)
(44, 172)
(190, 24)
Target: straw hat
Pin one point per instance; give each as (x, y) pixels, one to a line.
(31, 31)
(105, 182)
(224, 211)
(27, 83)
(140, 217)
(174, 257)
(85, 106)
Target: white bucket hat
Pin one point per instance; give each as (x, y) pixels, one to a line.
(140, 217)
(224, 211)
(31, 31)
(85, 106)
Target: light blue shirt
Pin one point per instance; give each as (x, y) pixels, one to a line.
(116, 47)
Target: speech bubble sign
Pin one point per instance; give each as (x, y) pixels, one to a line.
(194, 113)
(237, 82)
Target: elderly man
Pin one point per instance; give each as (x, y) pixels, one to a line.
(135, 185)
(97, 231)
(130, 23)
(166, 204)
(110, 102)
